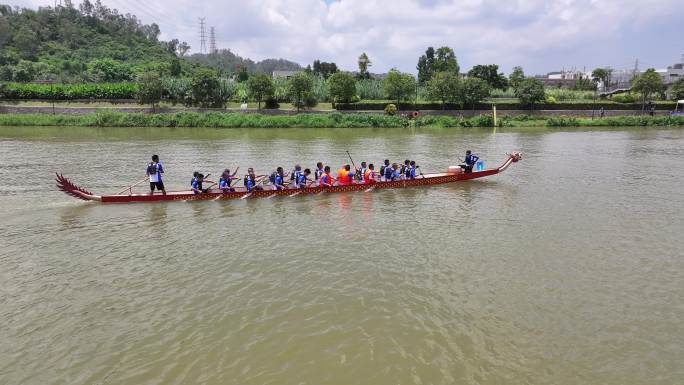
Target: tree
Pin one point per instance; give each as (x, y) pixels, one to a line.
(175, 68)
(342, 87)
(399, 86)
(242, 74)
(474, 90)
(206, 89)
(364, 63)
(149, 89)
(441, 60)
(5, 31)
(678, 89)
(426, 65)
(300, 90)
(490, 74)
(260, 87)
(446, 61)
(26, 40)
(183, 48)
(584, 84)
(324, 69)
(516, 77)
(647, 84)
(444, 86)
(530, 91)
(603, 76)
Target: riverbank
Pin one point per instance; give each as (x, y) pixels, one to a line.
(329, 120)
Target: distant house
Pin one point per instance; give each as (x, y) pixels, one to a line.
(563, 79)
(284, 74)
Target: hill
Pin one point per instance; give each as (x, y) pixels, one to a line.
(227, 61)
(93, 43)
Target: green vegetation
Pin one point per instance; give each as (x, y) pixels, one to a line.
(364, 62)
(647, 84)
(400, 87)
(331, 120)
(342, 87)
(530, 91)
(473, 91)
(149, 89)
(490, 74)
(91, 43)
(445, 87)
(441, 60)
(260, 87)
(108, 91)
(300, 91)
(678, 89)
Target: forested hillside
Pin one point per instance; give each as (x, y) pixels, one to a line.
(226, 61)
(93, 43)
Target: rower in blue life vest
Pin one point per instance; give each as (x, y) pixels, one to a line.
(226, 180)
(319, 171)
(277, 179)
(393, 173)
(154, 171)
(196, 184)
(302, 178)
(404, 172)
(470, 161)
(361, 172)
(412, 170)
(296, 173)
(383, 169)
(251, 182)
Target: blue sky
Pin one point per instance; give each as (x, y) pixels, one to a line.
(540, 35)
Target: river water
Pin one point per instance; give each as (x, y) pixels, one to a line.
(567, 268)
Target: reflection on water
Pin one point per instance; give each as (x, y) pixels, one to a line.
(565, 269)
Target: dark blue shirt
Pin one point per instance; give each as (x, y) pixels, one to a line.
(470, 160)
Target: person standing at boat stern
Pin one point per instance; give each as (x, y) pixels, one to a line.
(154, 171)
(470, 160)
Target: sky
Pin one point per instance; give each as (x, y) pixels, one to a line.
(539, 35)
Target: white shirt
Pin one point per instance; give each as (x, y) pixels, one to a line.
(156, 177)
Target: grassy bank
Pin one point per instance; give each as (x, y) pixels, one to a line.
(331, 120)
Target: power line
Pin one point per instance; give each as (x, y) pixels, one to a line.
(212, 40)
(203, 36)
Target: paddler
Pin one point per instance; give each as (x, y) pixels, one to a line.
(277, 178)
(470, 161)
(226, 180)
(196, 184)
(326, 180)
(361, 172)
(302, 179)
(383, 168)
(251, 181)
(369, 175)
(154, 171)
(393, 173)
(319, 170)
(345, 176)
(404, 169)
(412, 170)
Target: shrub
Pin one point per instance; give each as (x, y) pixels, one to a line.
(550, 100)
(271, 104)
(391, 109)
(623, 98)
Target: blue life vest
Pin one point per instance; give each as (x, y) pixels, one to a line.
(388, 173)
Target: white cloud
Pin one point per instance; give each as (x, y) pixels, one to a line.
(540, 34)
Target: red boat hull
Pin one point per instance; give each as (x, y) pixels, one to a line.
(430, 179)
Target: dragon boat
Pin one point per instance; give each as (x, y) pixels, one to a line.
(453, 174)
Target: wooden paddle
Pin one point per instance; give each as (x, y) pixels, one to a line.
(131, 186)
